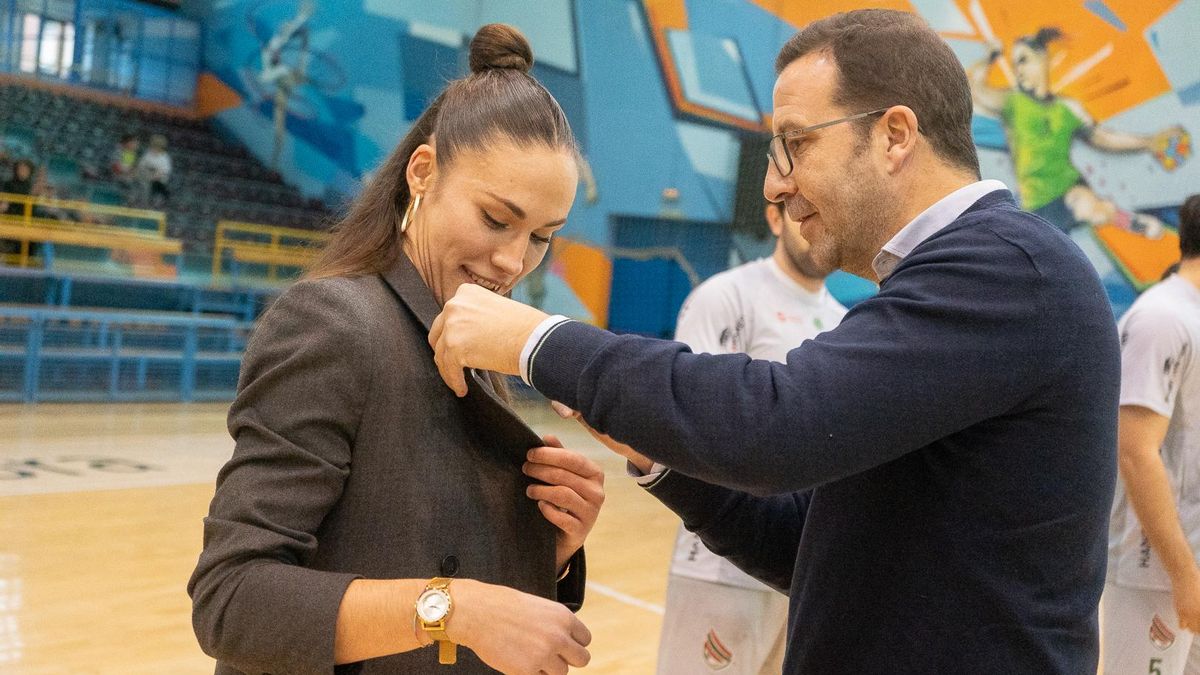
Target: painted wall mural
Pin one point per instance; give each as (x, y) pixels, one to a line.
(1086, 108)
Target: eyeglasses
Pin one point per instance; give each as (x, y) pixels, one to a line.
(778, 151)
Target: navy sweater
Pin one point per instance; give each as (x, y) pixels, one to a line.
(959, 429)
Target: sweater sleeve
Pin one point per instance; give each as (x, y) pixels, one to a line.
(953, 337)
(305, 378)
(735, 525)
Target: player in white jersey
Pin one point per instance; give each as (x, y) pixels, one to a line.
(717, 616)
(1151, 606)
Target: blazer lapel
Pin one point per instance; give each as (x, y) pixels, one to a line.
(499, 426)
(407, 283)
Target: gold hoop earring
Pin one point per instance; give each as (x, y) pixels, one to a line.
(412, 208)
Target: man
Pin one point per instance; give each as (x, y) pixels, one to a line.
(1153, 591)
(718, 616)
(959, 427)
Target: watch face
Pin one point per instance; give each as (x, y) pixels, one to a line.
(433, 605)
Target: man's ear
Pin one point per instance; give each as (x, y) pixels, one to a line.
(901, 132)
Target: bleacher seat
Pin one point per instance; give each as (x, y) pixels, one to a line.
(213, 179)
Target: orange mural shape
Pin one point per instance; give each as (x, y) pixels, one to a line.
(1106, 69)
(800, 14)
(588, 273)
(1142, 260)
(214, 96)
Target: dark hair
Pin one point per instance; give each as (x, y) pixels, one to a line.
(1041, 39)
(1189, 227)
(887, 57)
(125, 138)
(497, 99)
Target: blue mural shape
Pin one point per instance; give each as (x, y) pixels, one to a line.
(713, 75)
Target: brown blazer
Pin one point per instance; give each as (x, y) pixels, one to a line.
(353, 459)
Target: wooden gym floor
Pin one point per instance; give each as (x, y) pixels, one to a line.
(100, 526)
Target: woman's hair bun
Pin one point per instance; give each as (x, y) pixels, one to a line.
(499, 46)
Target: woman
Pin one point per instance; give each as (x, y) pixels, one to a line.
(360, 486)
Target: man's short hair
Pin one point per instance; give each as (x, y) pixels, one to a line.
(887, 57)
(1189, 227)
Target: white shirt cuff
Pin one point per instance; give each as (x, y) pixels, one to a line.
(657, 471)
(529, 351)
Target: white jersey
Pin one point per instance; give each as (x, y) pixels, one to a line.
(1160, 370)
(758, 310)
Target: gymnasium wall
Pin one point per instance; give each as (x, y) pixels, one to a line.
(661, 93)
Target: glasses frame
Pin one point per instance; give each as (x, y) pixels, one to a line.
(780, 138)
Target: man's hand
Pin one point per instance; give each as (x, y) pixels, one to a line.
(479, 329)
(637, 459)
(571, 497)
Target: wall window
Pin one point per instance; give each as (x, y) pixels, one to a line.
(124, 46)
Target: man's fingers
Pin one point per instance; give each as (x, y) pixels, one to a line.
(552, 441)
(453, 375)
(580, 633)
(576, 655)
(447, 362)
(563, 411)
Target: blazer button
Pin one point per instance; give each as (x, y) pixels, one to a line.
(449, 566)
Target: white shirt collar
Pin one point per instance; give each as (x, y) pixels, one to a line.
(929, 222)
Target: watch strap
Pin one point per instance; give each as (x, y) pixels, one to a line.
(447, 650)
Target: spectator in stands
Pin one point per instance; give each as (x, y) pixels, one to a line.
(46, 189)
(21, 183)
(124, 160)
(356, 475)
(24, 175)
(154, 171)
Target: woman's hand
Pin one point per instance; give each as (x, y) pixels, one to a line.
(517, 633)
(637, 459)
(571, 497)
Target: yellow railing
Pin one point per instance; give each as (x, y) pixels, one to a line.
(102, 212)
(267, 245)
(78, 223)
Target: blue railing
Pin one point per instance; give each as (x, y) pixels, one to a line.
(55, 354)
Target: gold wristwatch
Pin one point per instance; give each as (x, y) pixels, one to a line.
(434, 607)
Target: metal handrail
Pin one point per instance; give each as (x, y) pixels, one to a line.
(30, 201)
(223, 242)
